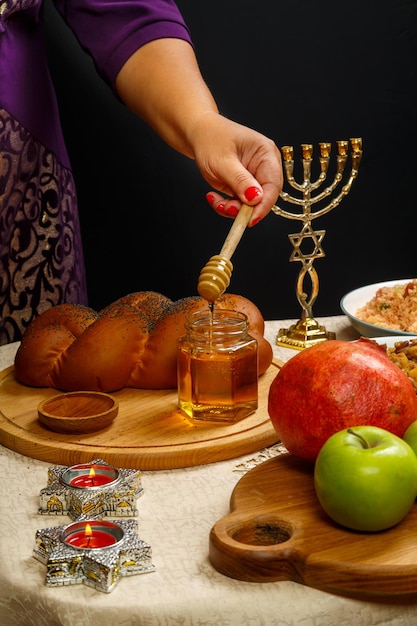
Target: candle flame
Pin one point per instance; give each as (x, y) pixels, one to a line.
(88, 531)
(92, 472)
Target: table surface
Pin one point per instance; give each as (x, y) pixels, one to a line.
(176, 513)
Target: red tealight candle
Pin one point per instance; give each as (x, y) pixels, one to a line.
(90, 539)
(89, 476)
(91, 480)
(92, 535)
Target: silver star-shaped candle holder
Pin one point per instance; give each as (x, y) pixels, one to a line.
(94, 489)
(92, 550)
(97, 553)
(307, 244)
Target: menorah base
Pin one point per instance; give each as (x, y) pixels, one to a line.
(305, 333)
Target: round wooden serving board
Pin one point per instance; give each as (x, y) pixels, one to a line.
(149, 432)
(277, 530)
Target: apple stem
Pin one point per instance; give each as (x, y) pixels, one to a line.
(363, 440)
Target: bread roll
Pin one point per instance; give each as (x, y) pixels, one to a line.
(130, 343)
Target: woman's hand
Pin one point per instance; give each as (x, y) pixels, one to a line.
(238, 162)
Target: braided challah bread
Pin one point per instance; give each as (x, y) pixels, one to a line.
(130, 343)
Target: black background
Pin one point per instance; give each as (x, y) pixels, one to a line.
(298, 71)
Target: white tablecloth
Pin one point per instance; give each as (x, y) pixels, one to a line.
(176, 513)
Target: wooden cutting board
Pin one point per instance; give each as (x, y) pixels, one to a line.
(149, 432)
(277, 530)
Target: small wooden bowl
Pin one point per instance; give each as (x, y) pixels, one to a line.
(78, 411)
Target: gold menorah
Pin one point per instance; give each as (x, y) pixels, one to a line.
(307, 331)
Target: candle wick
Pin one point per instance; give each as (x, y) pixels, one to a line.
(88, 541)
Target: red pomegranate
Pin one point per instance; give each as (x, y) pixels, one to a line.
(334, 385)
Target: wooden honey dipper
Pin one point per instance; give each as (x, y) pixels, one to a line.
(215, 276)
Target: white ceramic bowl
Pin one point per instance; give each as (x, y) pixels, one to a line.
(354, 300)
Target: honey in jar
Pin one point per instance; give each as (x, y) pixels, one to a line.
(217, 367)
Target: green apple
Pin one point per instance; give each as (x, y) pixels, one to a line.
(366, 478)
(410, 436)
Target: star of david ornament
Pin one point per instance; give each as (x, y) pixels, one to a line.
(312, 236)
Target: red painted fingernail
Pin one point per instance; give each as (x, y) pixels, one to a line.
(252, 192)
(220, 207)
(210, 198)
(231, 210)
(256, 221)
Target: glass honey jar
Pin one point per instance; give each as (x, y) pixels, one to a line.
(217, 367)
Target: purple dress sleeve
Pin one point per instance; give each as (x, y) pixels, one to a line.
(112, 31)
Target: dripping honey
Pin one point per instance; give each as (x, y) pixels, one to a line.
(217, 367)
